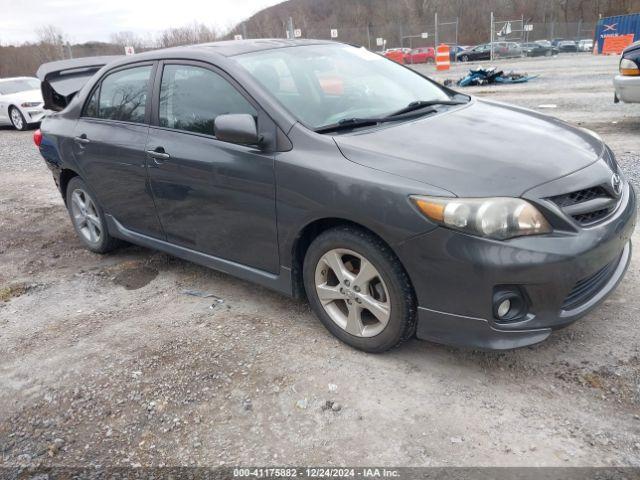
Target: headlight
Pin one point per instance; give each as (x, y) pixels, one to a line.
(499, 218)
(629, 68)
(30, 104)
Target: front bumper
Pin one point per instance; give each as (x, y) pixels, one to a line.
(627, 88)
(454, 276)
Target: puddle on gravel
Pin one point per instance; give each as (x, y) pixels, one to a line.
(135, 276)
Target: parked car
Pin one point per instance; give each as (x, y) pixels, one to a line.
(566, 46)
(479, 52)
(420, 55)
(388, 206)
(556, 41)
(538, 50)
(585, 45)
(507, 50)
(627, 83)
(397, 54)
(454, 50)
(20, 102)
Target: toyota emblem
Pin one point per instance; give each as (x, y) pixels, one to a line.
(616, 183)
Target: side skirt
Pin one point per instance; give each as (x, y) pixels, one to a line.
(281, 283)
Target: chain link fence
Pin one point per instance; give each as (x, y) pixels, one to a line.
(402, 35)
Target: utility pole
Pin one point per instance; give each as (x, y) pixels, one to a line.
(290, 29)
(491, 41)
(436, 30)
(244, 30)
(369, 34)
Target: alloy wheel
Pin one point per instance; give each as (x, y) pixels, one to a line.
(85, 216)
(352, 292)
(16, 119)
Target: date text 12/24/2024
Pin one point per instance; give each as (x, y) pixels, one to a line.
(314, 472)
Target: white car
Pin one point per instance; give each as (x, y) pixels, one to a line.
(627, 83)
(585, 45)
(21, 103)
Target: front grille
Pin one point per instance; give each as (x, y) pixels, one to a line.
(591, 217)
(587, 206)
(586, 288)
(580, 196)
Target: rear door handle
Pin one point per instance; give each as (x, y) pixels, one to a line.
(82, 139)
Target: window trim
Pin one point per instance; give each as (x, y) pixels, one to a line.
(155, 104)
(98, 87)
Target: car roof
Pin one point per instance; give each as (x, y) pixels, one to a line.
(229, 48)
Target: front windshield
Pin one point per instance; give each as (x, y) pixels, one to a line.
(323, 84)
(9, 87)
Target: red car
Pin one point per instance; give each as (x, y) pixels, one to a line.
(420, 55)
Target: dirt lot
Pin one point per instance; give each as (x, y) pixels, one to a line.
(104, 360)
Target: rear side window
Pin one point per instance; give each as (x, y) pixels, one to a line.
(122, 96)
(192, 97)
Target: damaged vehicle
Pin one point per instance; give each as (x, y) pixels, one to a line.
(393, 204)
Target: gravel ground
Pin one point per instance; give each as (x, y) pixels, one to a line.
(104, 360)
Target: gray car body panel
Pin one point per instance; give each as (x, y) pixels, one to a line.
(301, 178)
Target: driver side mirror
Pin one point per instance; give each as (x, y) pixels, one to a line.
(237, 128)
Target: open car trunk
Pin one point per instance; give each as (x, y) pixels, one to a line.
(61, 80)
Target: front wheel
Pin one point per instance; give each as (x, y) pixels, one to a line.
(17, 119)
(359, 290)
(464, 58)
(88, 218)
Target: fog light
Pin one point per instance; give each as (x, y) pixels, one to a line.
(510, 303)
(504, 308)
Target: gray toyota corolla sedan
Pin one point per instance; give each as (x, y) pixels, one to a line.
(398, 207)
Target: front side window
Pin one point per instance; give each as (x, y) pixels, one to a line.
(123, 95)
(323, 84)
(192, 97)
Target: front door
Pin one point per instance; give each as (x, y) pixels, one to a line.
(109, 146)
(211, 196)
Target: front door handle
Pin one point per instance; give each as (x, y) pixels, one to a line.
(82, 139)
(158, 155)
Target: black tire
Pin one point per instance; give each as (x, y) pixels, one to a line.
(402, 319)
(464, 58)
(104, 242)
(23, 125)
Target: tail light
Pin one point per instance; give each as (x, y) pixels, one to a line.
(629, 68)
(37, 137)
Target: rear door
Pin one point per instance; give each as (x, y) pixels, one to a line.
(214, 197)
(109, 146)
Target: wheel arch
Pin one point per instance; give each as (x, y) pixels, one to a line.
(66, 174)
(311, 231)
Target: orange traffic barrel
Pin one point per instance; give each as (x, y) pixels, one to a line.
(442, 57)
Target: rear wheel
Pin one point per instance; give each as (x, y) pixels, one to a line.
(464, 58)
(17, 119)
(88, 218)
(359, 290)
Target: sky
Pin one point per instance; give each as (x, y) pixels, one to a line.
(85, 20)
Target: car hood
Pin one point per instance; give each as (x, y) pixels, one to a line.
(26, 96)
(481, 149)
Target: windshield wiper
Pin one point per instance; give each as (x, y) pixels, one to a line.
(350, 123)
(420, 104)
